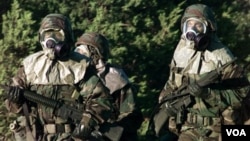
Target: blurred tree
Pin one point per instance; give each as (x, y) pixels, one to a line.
(16, 43)
(142, 34)
(18, 39)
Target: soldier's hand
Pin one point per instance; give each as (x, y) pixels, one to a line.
(15, 94)
(84, 128)
(196, 90)
(82, 131)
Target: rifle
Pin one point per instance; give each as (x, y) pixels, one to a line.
(66, 111)
(205, 81)
(176, 101)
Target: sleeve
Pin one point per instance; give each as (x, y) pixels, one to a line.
(130, 116)
(235, 86)
(96, 100)
(234, 76)
(20, 81)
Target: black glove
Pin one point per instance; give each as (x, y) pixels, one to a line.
(82, 131)
(84, 128)
(196, 90)
(16, 94)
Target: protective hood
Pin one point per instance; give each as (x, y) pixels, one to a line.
(39, 69)
(57, 22)
(201, 12)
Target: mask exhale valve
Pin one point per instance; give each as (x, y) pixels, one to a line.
(60, 48)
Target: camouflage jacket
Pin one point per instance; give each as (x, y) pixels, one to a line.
(124, 93)
(68, 80)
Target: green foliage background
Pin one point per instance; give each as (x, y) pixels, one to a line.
(143, 35)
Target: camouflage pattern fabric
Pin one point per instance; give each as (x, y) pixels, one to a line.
(125, 101)
(56, 22)
(6, 119)
(100, 103)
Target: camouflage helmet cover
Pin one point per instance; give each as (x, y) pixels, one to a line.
(202, 12)
(57, 22)
(96, 40)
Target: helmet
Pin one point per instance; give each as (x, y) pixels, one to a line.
(201, 12)
(96, 40)
(56, 35)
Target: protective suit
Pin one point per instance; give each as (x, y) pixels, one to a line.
(62, 75)
(198, 116)
(128, 114)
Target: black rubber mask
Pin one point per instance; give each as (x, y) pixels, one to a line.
(60, 49)
(201, 40)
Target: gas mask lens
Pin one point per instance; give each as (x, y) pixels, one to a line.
(193, 27)
(56, 34)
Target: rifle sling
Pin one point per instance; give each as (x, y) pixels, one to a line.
(29, 135)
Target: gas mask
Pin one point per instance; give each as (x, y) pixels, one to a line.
(83, 49)
(196, 30)
(54, 45)
(92, 53)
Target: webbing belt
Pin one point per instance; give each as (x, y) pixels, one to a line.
(201, 120)
(57, 128)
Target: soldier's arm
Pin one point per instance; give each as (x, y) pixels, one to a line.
(130, 116)
(18, 81)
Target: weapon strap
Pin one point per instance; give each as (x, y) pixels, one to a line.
(29, 135)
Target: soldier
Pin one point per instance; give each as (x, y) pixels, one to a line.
(96, 46)
(57, 73)
(213, 98)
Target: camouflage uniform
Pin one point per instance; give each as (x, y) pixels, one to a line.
(128, 114)
(58, 73)
(193, 60)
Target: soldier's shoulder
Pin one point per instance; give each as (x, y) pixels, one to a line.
(118, 72)
(33, 57)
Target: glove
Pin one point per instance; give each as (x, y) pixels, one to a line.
(196, 90)
(84, 128)
(82, 131)
(15, 94)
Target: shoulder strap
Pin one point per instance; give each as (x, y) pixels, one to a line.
(29, 134)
